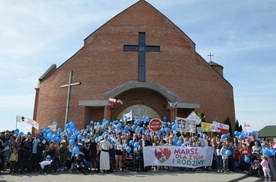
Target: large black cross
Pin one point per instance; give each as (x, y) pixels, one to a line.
(142, 48)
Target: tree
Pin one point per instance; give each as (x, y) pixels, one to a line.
(228, 122)
(240, 128)
(237, 126)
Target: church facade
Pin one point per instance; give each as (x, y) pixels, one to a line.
(145, 62)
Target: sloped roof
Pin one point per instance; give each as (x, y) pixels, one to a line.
(212, 63)
(268, 131)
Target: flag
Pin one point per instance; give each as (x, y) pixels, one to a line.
(195, 117)
(113, 101)
(206, 126)
(214, 128)
(27, 120)
(246, 125)
(127, 116)
(172, 105)
(223, 128)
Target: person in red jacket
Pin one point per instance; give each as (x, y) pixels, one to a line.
(245, 152)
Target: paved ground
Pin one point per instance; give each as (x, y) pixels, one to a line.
(160, 176)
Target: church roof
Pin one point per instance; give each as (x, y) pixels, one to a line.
(140, 3)
(212, 63)
(268, 131)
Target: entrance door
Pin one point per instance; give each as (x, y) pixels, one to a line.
(140, 111)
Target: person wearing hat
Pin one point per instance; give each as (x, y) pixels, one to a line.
(105, 146)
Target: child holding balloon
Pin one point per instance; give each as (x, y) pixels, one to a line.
(224, 152)
(245, 157)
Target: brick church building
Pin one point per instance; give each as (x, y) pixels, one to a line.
(145, 62)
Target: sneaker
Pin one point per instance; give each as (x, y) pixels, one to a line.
(218, 171)
(62, 169)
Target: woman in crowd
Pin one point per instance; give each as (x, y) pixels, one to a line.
(93, 153)
(119, 155)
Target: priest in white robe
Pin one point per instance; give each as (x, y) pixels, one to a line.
(105, 146)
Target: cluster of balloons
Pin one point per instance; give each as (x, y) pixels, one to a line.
(132, 143)
(269, 152)
(18, 132)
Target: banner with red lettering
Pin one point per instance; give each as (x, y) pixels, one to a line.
(189, 157)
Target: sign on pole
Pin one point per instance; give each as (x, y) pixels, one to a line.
(155, 124)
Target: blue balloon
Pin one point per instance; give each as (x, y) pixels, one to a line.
(201, 135)
(119, 125)
(249, 133)
(131, 142)
(174, 127)
(55, 122)
(128, 149)
(21, 133)
(137, 121)
(80, 137)
(59, 130)
(178, 143)
(136, 144)
(76, 150)
(228, 152)
(241, 137)
(236, 133)
(146, 120)
(223, 136)
(133, 127)
(58, 139)
(67, 125)
(72, 124)
(272, 152)
(71, 142)
(49, 136)
(137, 129)
(266, 152)
(86, 163)
(236, 164)
(73, 137)
(91, 122)
(167, 130)
(165, 118)
(16, 131)
(246, 159)
(174, 141)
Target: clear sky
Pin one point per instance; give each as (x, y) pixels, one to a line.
(240, 34)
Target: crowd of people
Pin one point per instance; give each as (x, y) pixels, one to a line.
(117, 146)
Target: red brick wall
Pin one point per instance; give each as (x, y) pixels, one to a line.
(102, 65)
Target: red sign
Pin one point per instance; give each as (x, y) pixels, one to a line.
(155, 124)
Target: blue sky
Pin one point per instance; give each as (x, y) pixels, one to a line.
(240, 34)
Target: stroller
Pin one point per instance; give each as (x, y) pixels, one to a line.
(79, 164)
(255, 166)
(47, 165)
(129, 161)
